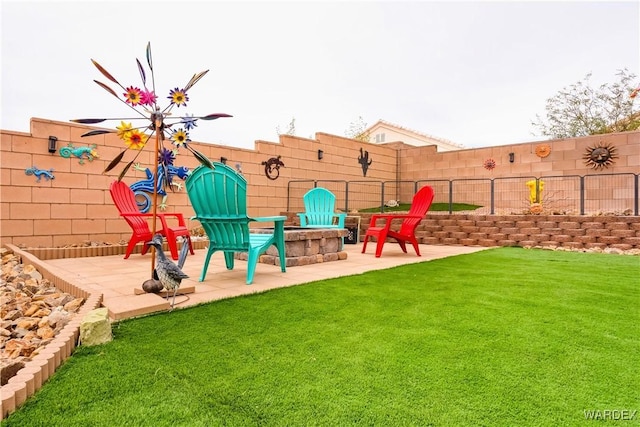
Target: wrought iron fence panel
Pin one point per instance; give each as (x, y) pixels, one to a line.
(611, 194)
(474, 192)
(564, 194)
(338, 188)
(396, 192)
(363, 195)
(441, 190)
(295, 192)
(512, 194)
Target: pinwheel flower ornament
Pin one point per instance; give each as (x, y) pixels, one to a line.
(159, 122)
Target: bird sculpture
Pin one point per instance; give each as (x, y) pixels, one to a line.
(169, 274)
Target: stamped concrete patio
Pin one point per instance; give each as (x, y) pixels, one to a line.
(120, 281)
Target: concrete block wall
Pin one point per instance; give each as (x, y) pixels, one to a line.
(76, 205)
(566, 158)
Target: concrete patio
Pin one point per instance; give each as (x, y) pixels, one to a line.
(120, 281)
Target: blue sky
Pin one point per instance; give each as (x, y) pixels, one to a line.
(475, 73)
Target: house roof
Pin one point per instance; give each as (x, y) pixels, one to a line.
(416, 134)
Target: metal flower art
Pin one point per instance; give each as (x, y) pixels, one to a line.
(159, 122)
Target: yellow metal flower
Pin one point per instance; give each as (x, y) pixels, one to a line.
(123, 129)
(178, 97)
(180, 138)
(132, 95)
(135, 139)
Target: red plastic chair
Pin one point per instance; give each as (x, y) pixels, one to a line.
(125, 200)
(419, 206)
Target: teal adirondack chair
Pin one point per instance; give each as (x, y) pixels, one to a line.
(219, 198)
(319, 205)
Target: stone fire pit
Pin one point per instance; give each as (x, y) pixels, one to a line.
(304, 246)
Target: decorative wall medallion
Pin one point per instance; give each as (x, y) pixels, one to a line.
(600, 156)
(272, 167)
(543, 150)
(489, 164)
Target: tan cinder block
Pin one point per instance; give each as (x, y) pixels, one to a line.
(5, 177)
(69, 180)
(108, 211)
(11, 160)
(89, 226)
(100, 182)
(50, 195)
(6, 140)
(18, 227)
(51, 161)
(17, 194)
(52, 226)
(30, 210)
(62, 211)
(87, 196)
(41, 128)
(563, 145)
(31, 241)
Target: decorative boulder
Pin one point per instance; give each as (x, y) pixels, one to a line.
(95, 327)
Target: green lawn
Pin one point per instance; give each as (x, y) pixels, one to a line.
(502, 337)
(435, 207)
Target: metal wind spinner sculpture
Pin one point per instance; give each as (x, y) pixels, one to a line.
(158, 122)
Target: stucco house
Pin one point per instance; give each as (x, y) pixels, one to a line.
(383, 132)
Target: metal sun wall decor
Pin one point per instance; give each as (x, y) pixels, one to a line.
(272, 167)
(543, 150)
(600, 156)
(157, 121)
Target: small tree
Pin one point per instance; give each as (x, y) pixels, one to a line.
(581, 110)
(357, 130)
(291, 130)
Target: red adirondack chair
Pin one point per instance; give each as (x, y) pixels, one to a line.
(419, 206)
(125, 200)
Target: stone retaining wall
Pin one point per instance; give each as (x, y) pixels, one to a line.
(575, 232)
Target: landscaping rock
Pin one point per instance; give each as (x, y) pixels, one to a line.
(32, 312)
(95, 327)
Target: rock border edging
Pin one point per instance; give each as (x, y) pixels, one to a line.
(38, 370)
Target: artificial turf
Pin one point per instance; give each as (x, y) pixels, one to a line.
(504, 337)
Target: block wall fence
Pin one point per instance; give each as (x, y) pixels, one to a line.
(76, 206)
